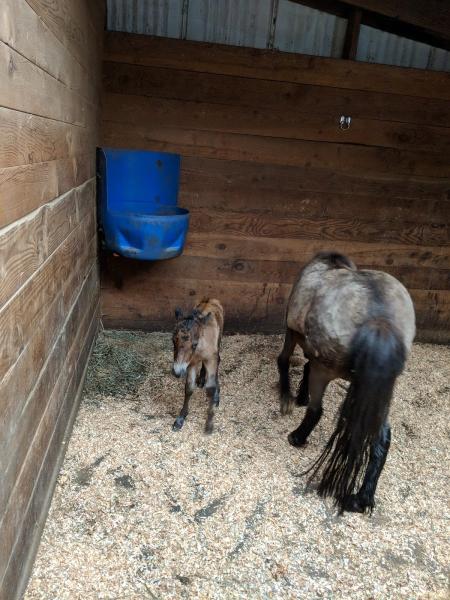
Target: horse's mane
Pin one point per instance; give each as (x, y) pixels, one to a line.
(335, 260)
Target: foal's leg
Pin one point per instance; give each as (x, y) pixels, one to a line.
(318, 379)
(303, 390)
(365, 498)
(212, 390)
(188, 391)
(283, 368)
(201, 376)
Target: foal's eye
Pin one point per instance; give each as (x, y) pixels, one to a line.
(194, 345)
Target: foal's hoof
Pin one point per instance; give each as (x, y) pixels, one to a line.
(209, 428)
(354, 503)
(295, 441)
(178, 424)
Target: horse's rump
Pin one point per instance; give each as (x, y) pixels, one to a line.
(329, 303)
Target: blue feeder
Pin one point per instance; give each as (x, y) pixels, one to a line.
(138, 203)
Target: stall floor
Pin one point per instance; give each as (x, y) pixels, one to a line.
(142, 512)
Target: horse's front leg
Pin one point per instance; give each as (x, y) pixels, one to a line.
(364, 500)
(188, 391)
(283, 369)
(212, 390)
(318, 379)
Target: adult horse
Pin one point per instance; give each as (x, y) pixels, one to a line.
(357, 325)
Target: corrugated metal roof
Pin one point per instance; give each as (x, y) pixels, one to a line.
(382, 47)
(236, 22)
(284, 25)
(155, 17)
(308, 31)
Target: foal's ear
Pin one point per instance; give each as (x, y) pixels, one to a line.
(178, 313)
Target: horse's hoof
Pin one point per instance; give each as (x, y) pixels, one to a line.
(302, 401)
(178, 424)
(354, 503)
(286, 405)
(295, 441)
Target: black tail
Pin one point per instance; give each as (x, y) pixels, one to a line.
(377, 357)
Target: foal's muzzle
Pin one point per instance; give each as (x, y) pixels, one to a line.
(179, 369)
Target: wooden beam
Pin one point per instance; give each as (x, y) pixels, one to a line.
(386, 20)
(352, 35)
(431, 15)
(251, 63)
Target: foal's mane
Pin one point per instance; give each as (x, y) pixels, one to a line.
(189, 320)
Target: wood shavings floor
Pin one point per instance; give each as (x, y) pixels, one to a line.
(142, 512)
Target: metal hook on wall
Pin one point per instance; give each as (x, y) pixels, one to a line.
(344, 122)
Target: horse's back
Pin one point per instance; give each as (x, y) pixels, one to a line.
(328, 304)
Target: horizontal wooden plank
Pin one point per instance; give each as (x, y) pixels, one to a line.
(275, 123)
(28, 88)
(27, 139)
(25, 246)
(19, 316)
(24, 519)
(327, 229)
(125, 133)
(226, 182)
(35, 374)
(23, 30)
(76, 26)
(282, 249)
(306, 204)
(258, 307)
(248, 269)
(260, 94)
(275, 66)
(24, 189)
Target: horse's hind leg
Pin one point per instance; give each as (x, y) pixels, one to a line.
(303, 390)
(283, 369)
(188, 391)
(365, 499)
(318, 380)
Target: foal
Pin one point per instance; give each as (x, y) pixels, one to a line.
(359, 326)
(196, 344)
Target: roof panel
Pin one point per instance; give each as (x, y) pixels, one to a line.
(236, 22)
(158, 17)
(386, 48)
(308, 31)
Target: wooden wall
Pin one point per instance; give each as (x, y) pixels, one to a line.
(270, 178)
(50, 63)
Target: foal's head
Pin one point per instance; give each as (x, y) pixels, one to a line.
(185, 339)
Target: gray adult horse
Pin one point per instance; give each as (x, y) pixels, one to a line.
(358, 325)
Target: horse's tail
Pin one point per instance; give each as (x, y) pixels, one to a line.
(377, 357)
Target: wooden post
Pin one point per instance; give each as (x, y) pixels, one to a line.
(352, 34)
